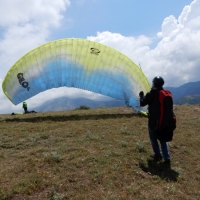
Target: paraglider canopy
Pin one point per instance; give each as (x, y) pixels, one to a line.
(75, 63)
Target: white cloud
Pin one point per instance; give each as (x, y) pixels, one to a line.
(169, 25)
(191, 15)
(28, 24)
(39, 12)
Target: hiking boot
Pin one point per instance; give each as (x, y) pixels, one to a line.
(156, 157)
(167, 163)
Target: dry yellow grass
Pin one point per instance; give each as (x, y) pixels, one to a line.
(100, 154)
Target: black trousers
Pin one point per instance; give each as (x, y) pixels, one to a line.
(25, 110)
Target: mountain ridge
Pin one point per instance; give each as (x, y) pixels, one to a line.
(66, 103)
(188, 93)
(187, 89)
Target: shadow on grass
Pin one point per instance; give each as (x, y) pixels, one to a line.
(72, 117)
(159, 169)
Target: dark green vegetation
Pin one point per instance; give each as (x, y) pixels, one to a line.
(100, 154)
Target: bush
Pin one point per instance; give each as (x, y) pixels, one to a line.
(83, 108)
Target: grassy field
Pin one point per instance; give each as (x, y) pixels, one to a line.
(100, 154)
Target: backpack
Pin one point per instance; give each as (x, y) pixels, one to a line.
(167, 119)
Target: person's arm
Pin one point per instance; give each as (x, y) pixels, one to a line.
(144, 100)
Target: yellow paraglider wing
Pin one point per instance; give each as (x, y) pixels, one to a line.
(75, 63)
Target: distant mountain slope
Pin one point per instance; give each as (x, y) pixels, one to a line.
(194, 99)
(188, 89)
(65, 103)
(187, 93)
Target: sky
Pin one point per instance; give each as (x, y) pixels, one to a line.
(162, 36)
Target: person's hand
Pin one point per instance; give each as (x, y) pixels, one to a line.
(141, 94)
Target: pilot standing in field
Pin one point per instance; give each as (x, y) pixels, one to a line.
(25, 107)
(151, 99)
